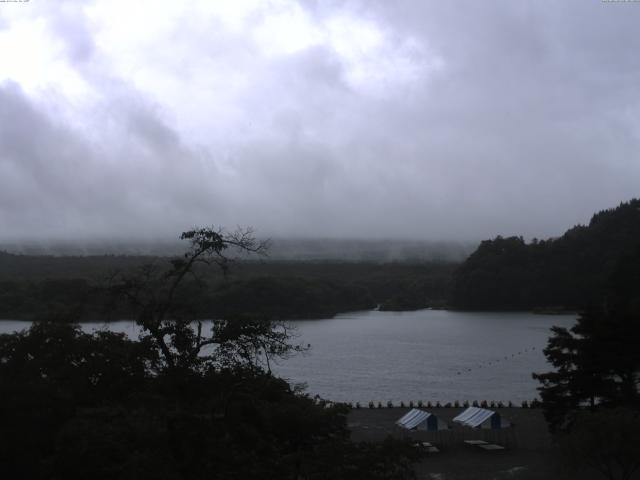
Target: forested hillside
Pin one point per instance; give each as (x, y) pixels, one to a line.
(32, 286)
(502, 274)
(563, 273)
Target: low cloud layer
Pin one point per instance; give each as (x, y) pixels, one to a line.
(411, 119)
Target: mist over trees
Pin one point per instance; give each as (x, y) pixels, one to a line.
(280, 249)
(562, 274)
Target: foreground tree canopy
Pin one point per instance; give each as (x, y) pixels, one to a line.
(597, 361)
(181, 402)
(607, 441)
(592, 398)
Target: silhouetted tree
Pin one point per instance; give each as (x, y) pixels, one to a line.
(160, 294)
(597, 361)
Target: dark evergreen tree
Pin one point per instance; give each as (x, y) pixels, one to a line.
(597, 361)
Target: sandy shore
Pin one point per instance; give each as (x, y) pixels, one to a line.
(529, 452)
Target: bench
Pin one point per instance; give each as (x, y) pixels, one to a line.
(427, 446)
(482, 445)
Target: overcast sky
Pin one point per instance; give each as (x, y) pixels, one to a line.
(390, 119)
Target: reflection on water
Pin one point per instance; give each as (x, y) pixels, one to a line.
(426, 355)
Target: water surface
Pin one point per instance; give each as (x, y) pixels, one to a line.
(429, 355)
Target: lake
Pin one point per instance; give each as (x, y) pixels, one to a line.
(429, 355)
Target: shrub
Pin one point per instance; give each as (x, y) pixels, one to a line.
(607, 440)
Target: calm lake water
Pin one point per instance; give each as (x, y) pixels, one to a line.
(429, 355)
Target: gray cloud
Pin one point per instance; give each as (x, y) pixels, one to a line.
(472, 120)
(69, 24)
(141, 183)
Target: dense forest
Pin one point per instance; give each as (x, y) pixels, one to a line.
(566, 273)
(74, 286)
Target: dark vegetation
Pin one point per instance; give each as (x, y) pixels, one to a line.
(592, 398)
(554, 275)
(34, 286)
(74, 405)
(182, 402)
(597, 361)
(566, 273)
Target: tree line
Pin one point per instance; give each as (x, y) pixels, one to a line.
(558, 274)
(567, 272)
(72, 286)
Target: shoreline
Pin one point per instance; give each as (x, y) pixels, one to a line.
(313, 318)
